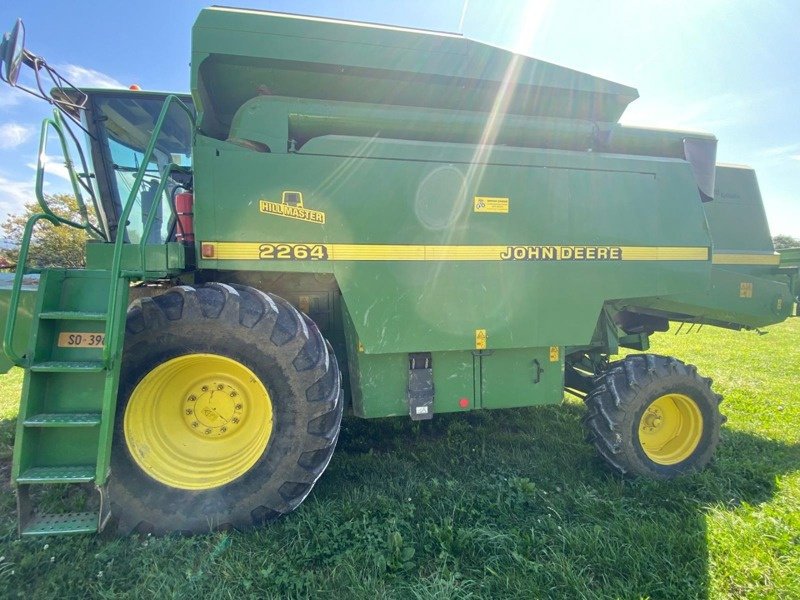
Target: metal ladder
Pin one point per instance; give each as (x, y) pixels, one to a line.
(72, 364)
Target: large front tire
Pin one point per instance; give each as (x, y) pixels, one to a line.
(229, 412)
(653, 416)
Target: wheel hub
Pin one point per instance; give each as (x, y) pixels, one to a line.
(214, 408)
(670, 429)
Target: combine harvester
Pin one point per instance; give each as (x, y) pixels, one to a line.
(400, 222)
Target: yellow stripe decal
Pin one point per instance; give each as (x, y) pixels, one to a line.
(385, 252)
(746, 259)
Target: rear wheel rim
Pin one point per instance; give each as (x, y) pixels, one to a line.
(670, 429)
(198, 421)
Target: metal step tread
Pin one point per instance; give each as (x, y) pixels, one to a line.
(86, 419)
(73, 522)
(67, 366)
(59, 474)
(73, 315)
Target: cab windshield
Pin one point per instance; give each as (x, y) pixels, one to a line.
(123, 123)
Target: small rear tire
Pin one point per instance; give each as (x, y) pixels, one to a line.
(653, 416)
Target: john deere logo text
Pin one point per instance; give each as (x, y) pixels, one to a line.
(291, 206)
(561, 253)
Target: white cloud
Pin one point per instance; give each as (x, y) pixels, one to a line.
(52, 166)
(795, 157)
(13, 194)
(13, 135)
(785, 150)
(84, 77)
(10, 97)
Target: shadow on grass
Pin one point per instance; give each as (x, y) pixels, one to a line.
(487, 504)
(570, 526)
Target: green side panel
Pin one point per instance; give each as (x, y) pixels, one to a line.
(419, 193)
(241, 54)
(790, 257)
(524, 377)
(171, 258)
(27, 302)
(736, 217)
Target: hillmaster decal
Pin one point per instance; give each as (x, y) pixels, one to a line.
(291, 207)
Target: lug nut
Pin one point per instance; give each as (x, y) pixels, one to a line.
(238, 407)
(207, 431)
(188, 411)
(234, 394)
(235, 420)
(195, 424)
(204, 388)
(220, 386)
(191, 398)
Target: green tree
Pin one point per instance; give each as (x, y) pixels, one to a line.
(785, 241)
(51, 246)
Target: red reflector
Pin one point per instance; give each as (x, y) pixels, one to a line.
(207, 250)
(134, 88)
(464, 403)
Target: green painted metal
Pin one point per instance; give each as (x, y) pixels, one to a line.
(347, 168)
(26, 299)
(113, 326)
(77, 522)
(395, 144)
(57, 126)
(69, 394)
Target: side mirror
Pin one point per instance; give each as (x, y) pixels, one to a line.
(14, 44)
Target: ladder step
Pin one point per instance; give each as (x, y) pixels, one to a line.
(63, 420)
(68, 366)
(73, 315)
(73, 522)
(61, 474)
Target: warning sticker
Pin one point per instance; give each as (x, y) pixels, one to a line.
(746, 289)
(480, 339)
(554, 353)
(486, 204)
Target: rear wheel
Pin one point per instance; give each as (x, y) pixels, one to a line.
(230, 406)
(653, 416)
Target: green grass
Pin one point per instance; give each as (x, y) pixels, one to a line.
(488, 504)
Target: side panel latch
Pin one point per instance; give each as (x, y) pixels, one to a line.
(420, 386)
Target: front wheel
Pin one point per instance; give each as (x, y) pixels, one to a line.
(229, 411)
(653, 416)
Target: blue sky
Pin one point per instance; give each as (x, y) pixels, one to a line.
(728, 67)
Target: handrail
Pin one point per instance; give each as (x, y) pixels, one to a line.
(116, 263)
(85, 224)
(13, 306)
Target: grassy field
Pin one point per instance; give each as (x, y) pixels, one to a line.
(490, 505)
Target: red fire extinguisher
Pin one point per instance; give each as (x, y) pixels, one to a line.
(183, 208)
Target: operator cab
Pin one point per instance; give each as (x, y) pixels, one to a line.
(119, 124)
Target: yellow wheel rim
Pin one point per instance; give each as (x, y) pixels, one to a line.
(198, 421)
(670, 429)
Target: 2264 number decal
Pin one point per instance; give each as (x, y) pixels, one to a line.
(292, 252)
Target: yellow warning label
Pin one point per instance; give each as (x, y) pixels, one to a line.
(553, 353)
(486, 204)
(71, 339)
(360, 346)
(480, 339)
(746, 289)
(304, 304)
